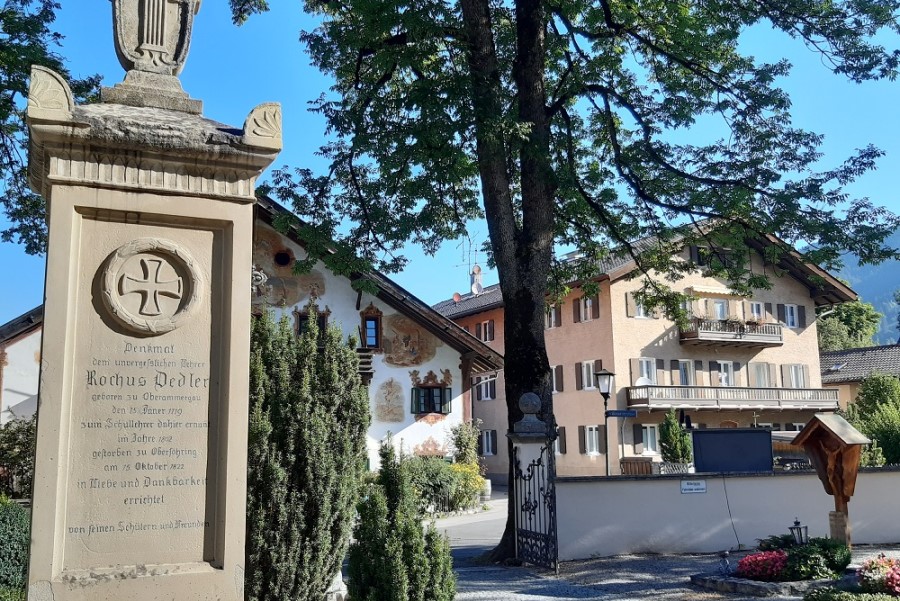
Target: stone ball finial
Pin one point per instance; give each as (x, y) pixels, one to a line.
(530, 403)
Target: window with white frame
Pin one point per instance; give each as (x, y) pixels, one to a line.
(790, 316)
(639, 310)
(592, 440)
(761, 371)
(720, 309)
(587, 307)
(686, 372)
(648, 369)
(488, 389)
(687, 305)
(587, 375)
(651, 440)
(726, 373)
(798, 376)
(552, 317)
(756, 311)
(488, 441)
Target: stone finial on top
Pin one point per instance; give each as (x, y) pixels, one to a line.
(152, 38)
(530, 404)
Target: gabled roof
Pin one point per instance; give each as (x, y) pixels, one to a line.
(483, 357)
(21, 324)
(823, 288)
(854, 365)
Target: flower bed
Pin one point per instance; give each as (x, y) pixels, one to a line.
(878, 580)
(782, 560)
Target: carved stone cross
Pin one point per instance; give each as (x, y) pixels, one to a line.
(151, 288)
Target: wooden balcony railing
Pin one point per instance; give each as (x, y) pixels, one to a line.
(728, 397)
(707, 331)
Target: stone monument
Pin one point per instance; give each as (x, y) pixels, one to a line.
(140, 481)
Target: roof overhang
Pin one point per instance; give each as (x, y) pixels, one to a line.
(481, 357)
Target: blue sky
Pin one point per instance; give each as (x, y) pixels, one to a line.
(233, 69)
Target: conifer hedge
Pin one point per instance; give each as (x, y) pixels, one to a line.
(308, 419)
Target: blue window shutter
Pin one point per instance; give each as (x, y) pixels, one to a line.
(413, 401)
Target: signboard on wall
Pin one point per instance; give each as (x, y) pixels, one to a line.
(733, 450)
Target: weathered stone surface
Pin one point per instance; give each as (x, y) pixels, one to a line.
(733, 584)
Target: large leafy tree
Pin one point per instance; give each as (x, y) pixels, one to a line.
(850, 325)
(573, 122)
(26, 39)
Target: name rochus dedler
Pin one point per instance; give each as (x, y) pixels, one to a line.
(161, 380)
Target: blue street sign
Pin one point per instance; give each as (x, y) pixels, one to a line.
(621, 413)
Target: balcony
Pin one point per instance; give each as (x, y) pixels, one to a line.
(731, 333)
(725, 398)
(366, 368)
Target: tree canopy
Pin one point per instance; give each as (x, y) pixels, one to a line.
(572, 122)
(850, 325)
(26, 39)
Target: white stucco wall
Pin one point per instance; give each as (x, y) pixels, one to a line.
(340, 299)
(21, 373)
(612, 516)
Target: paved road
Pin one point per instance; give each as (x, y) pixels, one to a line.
(624, 578)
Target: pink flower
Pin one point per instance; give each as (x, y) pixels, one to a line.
(766, 566)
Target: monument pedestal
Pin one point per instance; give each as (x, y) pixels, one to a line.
(140, 480)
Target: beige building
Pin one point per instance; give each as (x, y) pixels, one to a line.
(740, 362)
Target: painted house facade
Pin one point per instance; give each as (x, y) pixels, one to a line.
(20, 364)
(740, 362)
(417, 364)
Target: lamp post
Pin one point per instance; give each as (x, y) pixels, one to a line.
(604, 379)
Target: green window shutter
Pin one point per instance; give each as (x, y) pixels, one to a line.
(414, 401)
(446, 401)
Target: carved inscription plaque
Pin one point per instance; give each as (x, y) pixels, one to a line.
(143, 403)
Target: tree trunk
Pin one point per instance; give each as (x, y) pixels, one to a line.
(522, 252)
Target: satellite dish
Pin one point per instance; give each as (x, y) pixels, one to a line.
(476, 269)
(456, 297)
(643, 381)
(477, 288)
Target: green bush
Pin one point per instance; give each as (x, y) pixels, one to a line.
(468, 485)
(393, 557)
(17, 439)
(836, 553)
(834, 594)
(775, 542)
(12, 594)
(15, 537)
(806, 562)
(442, 485)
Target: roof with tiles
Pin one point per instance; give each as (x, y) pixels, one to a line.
(21, 324)
(853, 365)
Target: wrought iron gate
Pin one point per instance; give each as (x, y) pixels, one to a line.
(535, 499)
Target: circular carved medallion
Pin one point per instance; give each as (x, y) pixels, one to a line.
(150, 285)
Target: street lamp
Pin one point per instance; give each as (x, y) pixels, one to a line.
(604, 379)
(799, 532)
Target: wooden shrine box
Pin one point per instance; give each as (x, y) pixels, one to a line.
(834, 447)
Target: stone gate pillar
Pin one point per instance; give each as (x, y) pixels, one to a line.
(140, 482)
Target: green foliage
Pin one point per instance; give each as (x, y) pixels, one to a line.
(875, 390)
(15, 534)
(849, 325)
(834, 594)
(469, 485)
(883, 425)
(443, 486)
(806, 562)
(17, 440)
(775, 542)
(837, 554)
(393, 557)
(308, 420)
(27, 40)
(674, 440)
(464, 441)
(12, 594)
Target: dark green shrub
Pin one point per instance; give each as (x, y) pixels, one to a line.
(308, 420)
(17, 439)
(806, 562)
(775, 542)
(836, 553)
(14, 541)
(393, 557)
(833, 594)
